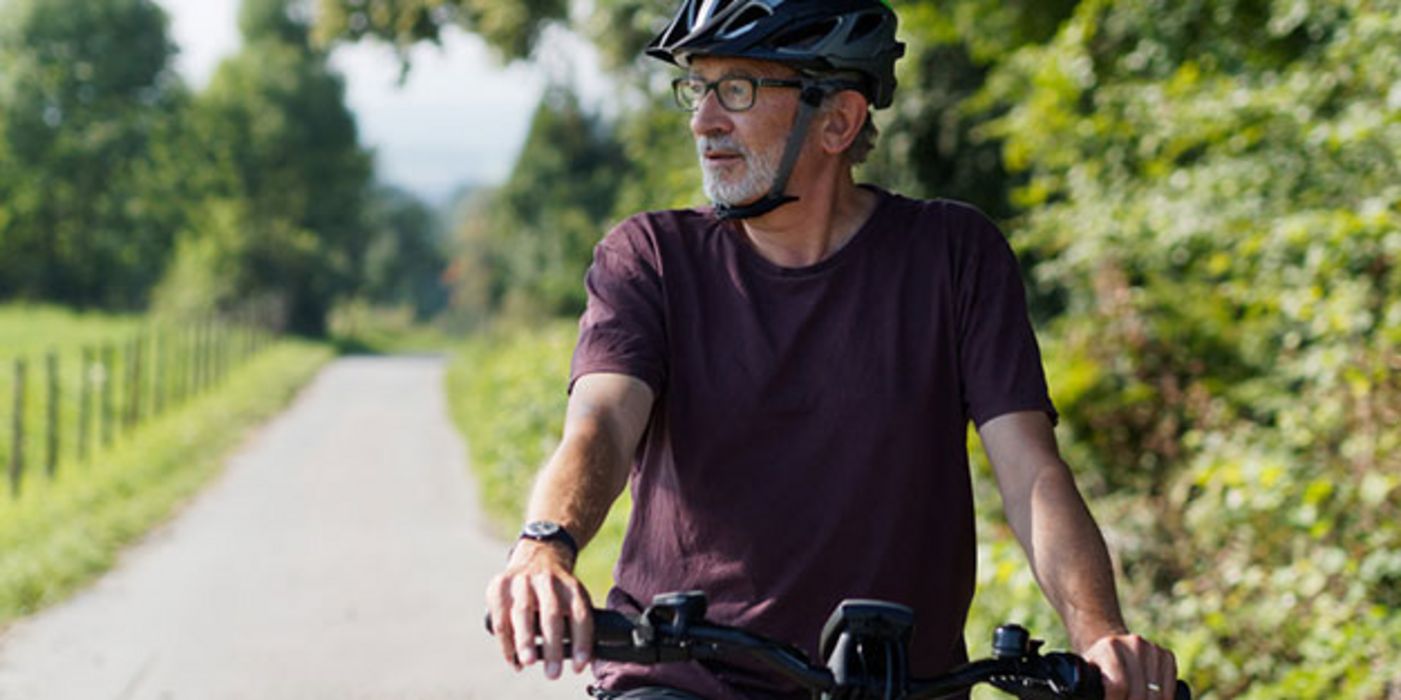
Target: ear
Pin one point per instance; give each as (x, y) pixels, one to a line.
(842, 119)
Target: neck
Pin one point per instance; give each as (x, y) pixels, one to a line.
(826, 216)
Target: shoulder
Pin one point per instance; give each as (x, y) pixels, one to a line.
(663, 239)
(947, 218)
(947, 228)
(649, 232)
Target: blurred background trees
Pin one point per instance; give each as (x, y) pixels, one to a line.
(121, 189)
(86, 104)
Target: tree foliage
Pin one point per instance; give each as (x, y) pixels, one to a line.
(512, 28)
(284, 203)
(528, 248)
(1219, 211)
(117, 185)
(86, 104)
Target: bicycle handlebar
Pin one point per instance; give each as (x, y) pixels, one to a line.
(674, 635)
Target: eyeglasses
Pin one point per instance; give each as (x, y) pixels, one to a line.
(736, 93)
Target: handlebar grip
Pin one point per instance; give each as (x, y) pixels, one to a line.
(1094, 684)
(610, 627)
(1183, 691)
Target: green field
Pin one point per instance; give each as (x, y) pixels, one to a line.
(62, 530)
(29, 330)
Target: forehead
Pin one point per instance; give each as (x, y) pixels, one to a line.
(717, 66)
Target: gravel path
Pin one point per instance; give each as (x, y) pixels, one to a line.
(339, 556)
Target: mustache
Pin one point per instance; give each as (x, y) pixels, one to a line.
(726, 143)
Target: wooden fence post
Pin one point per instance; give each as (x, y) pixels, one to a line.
(158, 374)
(138, 356)
(51, 455)
(109, 368)
(84, 404)
(201, 355)
(17, 431)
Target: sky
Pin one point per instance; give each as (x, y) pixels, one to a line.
(460, 118)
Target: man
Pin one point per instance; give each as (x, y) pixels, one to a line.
(786, 379)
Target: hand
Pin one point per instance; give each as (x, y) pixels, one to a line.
(538, 594)
(1133, 667)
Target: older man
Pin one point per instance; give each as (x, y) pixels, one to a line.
(787, 378)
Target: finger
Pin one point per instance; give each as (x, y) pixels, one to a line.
(552, 622)
(581, 626)
(523, 619)
(1167, 672)
(1111, 668)
(498, 602)
(1130, 654)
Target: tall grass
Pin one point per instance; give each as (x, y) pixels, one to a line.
(507, 393)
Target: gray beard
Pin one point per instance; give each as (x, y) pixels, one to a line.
(759, 173)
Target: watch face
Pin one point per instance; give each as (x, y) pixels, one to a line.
(541, 528)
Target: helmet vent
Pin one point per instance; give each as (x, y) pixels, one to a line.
(806, 36)
(708, 11)
(865, 26)
(745, 20)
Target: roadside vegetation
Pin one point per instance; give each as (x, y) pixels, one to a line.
(62, 531)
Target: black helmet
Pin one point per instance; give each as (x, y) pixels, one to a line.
(814, 35)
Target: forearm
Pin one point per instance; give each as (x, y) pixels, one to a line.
(578, 485)
(1068, 555)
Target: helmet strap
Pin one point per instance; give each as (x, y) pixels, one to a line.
(808, 103)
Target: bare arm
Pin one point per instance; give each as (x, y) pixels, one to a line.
(538, 593)
(1068, 555)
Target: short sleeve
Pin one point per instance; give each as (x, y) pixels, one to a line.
(622, 329)
(999, 358)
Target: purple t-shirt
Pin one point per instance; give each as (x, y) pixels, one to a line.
(808, 442)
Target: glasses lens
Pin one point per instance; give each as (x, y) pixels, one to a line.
(689, 93)
(736, 94)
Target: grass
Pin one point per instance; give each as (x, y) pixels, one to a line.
(506, 389)
(62, 531)
(31, 329)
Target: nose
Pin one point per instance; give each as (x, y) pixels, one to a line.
(710, 117)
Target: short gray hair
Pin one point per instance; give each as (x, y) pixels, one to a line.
(865, 142)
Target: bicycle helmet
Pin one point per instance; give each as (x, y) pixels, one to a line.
(812, 35)
(817, 37)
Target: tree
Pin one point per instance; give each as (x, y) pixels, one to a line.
(86, 99)
(405, 258)
(541, 225)
(288, 169)
(511, 27)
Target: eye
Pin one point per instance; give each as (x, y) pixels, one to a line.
(737, 92)
(690, 91)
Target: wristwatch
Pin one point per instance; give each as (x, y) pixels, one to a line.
(549, 531)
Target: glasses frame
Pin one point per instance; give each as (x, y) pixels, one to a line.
(714, 85)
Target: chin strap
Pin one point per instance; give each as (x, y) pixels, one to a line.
(809, 101)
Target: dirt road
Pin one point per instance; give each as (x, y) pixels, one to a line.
(339, 556)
